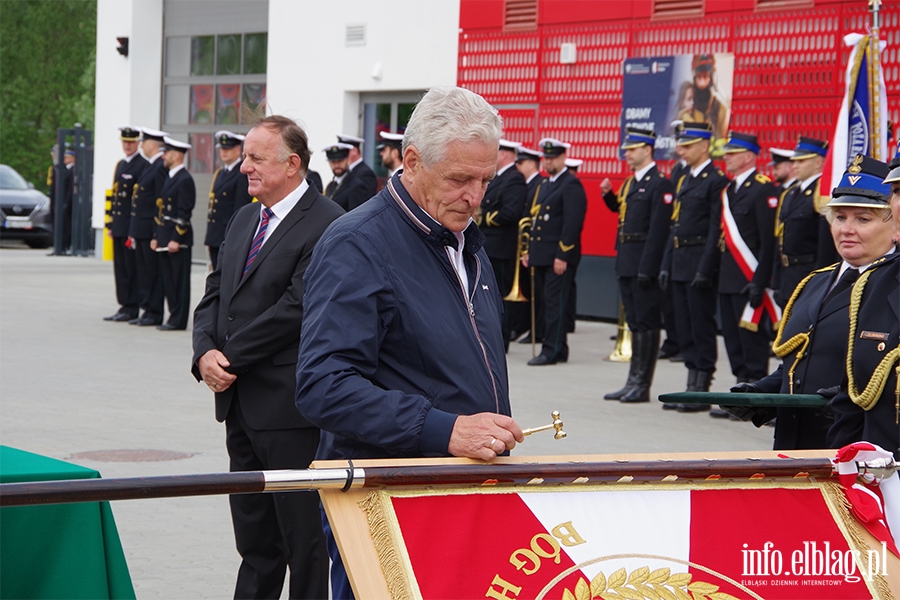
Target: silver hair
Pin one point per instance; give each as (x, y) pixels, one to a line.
(450, 114)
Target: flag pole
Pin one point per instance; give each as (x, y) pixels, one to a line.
(875, 137)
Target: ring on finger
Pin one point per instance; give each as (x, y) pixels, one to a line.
(493, 441)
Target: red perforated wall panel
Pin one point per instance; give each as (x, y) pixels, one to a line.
(789, 74)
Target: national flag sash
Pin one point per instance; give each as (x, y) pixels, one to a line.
(748, 264)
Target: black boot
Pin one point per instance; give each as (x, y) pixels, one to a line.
(691, 385)
(632, 374)
(646, 351)
(701, 384)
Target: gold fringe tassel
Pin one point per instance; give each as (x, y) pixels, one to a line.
(388, 556)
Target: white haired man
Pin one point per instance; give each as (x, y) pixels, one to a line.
(401, 352)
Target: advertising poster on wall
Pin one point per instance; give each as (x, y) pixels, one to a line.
(658, 91)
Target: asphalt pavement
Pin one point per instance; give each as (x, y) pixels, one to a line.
(121, 399)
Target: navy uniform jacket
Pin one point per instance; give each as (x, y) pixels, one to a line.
(365, 173)
(351, 193)
(229, 193)
(805, 237)
(501, 209)
(557, 229)
(693, 241)
(143, 200)
(315, 180)
(753, 207)
(175, 204)
(126, 177)
(644, 226)
(877, 334)
(822, 365)
(532, 189)
(679, 169)
(391, 350)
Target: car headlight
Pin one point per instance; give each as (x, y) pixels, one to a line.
(43, 207)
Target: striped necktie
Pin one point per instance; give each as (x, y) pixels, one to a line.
(258, 240)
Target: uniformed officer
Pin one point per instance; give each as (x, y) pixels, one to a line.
(528, 163)
(868, 407)
(357, 166)
(691, 261)
(346, 189)
(573, 164)
(128, 171)
(804, 242)
(555, 249)
(644, 205)
(669, 348)
(141, 228)
(501, 210)
(748, 246)
(227, 193)
(813, 336)
(782, 169)
(391, 151)
(174, 236)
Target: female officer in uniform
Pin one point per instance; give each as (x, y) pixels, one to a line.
(812, 337)
(868, 405)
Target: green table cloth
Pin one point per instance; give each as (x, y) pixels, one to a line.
(62, 550)
(743, 399)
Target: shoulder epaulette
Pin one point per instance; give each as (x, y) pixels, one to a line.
(720, 172)
(762, 178)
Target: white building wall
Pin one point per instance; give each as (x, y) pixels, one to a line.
(128, 88)
(314, 78)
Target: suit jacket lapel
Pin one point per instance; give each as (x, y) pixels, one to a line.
(283, 228)
(839, 302)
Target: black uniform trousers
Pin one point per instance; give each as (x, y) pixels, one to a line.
(748, 351)
(643, 310)
(504, 269)
(295, 515)
(572, 303)
(149, 288)
(175, 276)
(214, 257)
(552, 295)
(125, 272)
(669, 319)
(696, 324)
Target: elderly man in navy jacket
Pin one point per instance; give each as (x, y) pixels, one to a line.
(401, 352)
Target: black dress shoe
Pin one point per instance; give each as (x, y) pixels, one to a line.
(148, 321)
(689, 408)
(541, 359)
(677, 358)
(527, 340)
(119, 317)
(134, 321)
(170, 327)
(719, 413)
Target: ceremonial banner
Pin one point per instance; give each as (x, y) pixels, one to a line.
(661, 89)
(862, 121)
(718, 539)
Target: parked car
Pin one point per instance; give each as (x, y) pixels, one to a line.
(25, 212)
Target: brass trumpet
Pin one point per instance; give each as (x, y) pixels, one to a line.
(515, 294)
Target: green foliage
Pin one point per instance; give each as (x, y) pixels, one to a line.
(47, 67)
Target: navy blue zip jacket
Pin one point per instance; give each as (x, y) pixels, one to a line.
(391, 349)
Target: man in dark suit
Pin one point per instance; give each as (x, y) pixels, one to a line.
(644, 205)
(555, 250)
(346, 189)
(746, 304)
(128, 170)
(691, 260)
(228, 192)
(501, 209)
(68, 183)
(174, 236)
(140, 229)
(357, 166)
(246, 336)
